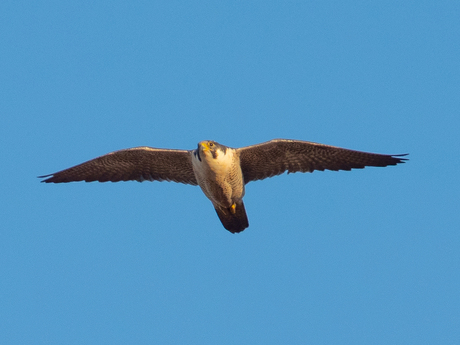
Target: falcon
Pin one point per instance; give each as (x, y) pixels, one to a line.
(221, 172)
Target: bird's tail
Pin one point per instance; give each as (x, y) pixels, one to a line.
(234, 218)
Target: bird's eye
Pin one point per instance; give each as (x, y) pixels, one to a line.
(211, 144)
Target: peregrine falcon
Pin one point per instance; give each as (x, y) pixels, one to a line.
(221, 172)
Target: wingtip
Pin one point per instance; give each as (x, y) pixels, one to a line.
(400, 160)
(47, 178)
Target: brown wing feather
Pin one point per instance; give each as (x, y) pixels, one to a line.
(139, 163)
(277, 156)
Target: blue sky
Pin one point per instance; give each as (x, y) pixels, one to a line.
(361, 257)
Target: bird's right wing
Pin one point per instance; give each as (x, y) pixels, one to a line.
(139, 163)
(277, 156)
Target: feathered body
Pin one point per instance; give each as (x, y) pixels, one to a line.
(218, 172)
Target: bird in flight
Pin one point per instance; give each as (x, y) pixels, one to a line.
(222, 172)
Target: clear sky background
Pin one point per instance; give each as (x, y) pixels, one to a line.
(363, 257)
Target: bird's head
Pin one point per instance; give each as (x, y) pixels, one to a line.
(210, 149)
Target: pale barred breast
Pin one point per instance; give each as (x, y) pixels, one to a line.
(221, 174)
(207, 174)
(235, 176)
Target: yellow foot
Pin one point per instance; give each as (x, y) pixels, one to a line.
(233, 209)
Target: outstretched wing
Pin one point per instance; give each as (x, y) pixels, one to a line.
(277, 156)
(139, 163)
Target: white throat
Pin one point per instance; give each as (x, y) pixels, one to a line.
(219, 165)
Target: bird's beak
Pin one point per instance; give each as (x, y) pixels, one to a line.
(205, 146)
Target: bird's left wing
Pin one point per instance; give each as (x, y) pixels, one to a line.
(277, 156)
(139, 163)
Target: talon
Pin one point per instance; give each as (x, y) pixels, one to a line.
(233, 209)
